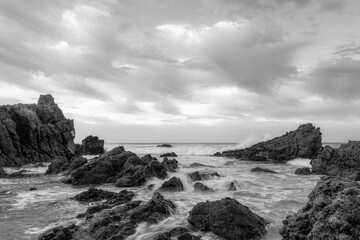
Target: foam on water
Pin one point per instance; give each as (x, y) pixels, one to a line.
(301, 162)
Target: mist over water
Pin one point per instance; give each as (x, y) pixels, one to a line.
(25, 214)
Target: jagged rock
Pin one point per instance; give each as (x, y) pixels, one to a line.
(188, 236)
(303, 171)
(343, 161)
(200, 187)
(228, 219)
(170, 165)
(173, 184)
(202, 175)
(65, 166)
(194, 165)
(332, 213)
(94, 194)
(232, 187)
(264, 170)
(59, 233)
(31, 133)
(172, 154)
(172, 233)
(304, 142)
(165, 145)
(91, 145)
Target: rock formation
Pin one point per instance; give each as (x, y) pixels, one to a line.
(170, 154)
(64, 165)
(332, 213)
(32, 133)
(343, 161)
(91, 145)
(303, 171)
(165, 145)
(200, 187)
(174, 184)
(304, 142)
(264, 170)
(228, 219)
(203, 175)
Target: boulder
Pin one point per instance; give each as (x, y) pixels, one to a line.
(303, 171)
(188, 236)
(165, 145)
(31, 133)
(171, 154)
(170, 165)
(2, 172)
(200, 187)
(172, 233)
(173, 184)
(91, 145)
(264, 170)
(342, 161)
(232, 187)
(65, 166)
(227, 218)
(93, 195)
(203, 175)
(194, 165)
(332, 212)
(304, 142)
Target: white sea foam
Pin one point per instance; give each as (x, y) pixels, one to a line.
(302, 162)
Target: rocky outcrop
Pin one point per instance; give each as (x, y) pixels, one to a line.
(304, 142)
(32, 133)
(91, 145)
(342, 161)
(165, 145)
(171, 154)
(332, 213)
(263, 170)
(200, 187)
(170, 164)
(172, 233)
(228, 219)
(94, 195)
(174, 184)
(303, 171)
(64, 165)
(203, 175)
(2, 172)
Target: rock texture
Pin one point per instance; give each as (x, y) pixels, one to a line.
(165, 145)
(203, 175)
(64, 165)
(32, 133)
(304, 142)
(200, 187)
(171, 154)
(264, 170)
(332, 213)
(343, 161)
(228, 219)
(303, 171)
(91, 145)
(174, 184)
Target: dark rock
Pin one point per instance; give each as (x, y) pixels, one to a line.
(333, 212)
(228, 219)
(148, 158)
(230, 163)
(173, 184)
(199, 187)
(91, 145)
(59, 233)
(2, 172)
(303, 171)
(343, 161)
(172, 233)
(232, 187)
(264, 170)
(170, 165)
(188, 236)
(65, 166)
(172, 154)
(194, 165)
(94, 194)
(203, 175)
(31, 133)
(32, 189)
(165, 145)
(304, 142)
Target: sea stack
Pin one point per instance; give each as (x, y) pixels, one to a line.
(35, 133)
(91, 145)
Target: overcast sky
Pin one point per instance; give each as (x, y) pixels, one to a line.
(187, 70)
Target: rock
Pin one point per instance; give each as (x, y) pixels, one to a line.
(202, 175)
(65, 166)
(304, 142)
(188, 236)
(232, 187)
(32, 189)
(59, 233)
(94, 194)
(172, 233)
(194, 165)
(170, 165)
(264, 170)
(172, 154)
(2, 172)
(91, 145)
(343, 161)
(199, 187)
(228, 219)
(165, 145)
(31, 133)
(332, 212)
(173, 184)
(303, 171)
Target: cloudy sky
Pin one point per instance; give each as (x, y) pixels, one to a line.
(187, 70)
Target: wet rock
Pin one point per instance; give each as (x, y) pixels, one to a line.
(170, 165)
(172, 233)
(32, 189)
(172, 154)
(165, 145)
(232, 187)
(200, 187)
(194, 165)
(59, 233)
(94, 194)
(228, 219)
(188, 236)
(65, 166)
(91, 145)
(33, 133)
(304, 142)
(2, 172)
(343, 161)
(264, 170)
(332, 212)
(230, 163)
(173, 184)
(203, 175)
(303, 171)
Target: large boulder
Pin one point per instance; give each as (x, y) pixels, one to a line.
(332, 213)
(64, 165)
(170, 164)
(203, 175)
(343, 161)
(91, 145)
(228, 219)
(304, 142)
(173, 184)
(170, 154)
(32, 133)
(303, 171)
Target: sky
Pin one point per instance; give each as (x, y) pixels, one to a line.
(187, 70)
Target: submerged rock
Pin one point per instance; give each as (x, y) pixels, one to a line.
(173, 184)
(343, 161)
(203, 175)
(200, 187)
(264, 170)
(33, 133)
(91, 145)
(332, 213)
(304, 142)
(172, 154)
(303, 171)
(165, 145)
(228, 219)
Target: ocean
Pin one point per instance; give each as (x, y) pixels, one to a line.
(25, 214)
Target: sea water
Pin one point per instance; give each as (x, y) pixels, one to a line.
(25, 214)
